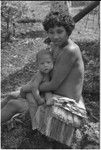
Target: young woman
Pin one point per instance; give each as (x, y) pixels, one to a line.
(60, 121)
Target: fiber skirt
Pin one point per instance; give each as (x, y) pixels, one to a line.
(60, 120)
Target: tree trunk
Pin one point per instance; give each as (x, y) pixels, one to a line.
(8, 32)
(13, 29)
(86, 10)
(7, 25)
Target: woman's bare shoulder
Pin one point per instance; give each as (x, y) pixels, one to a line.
(72, 48)
(72, 45)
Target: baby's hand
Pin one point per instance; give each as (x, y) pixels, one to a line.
(50, 101)
(23, 91)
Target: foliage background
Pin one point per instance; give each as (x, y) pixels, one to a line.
(20, 43)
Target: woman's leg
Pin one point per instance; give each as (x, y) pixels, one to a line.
(9, 96)
(33, 106)
(4, 102)
(13, 107)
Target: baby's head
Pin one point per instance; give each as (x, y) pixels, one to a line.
(44, 60)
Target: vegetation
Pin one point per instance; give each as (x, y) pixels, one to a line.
(18, 66)
(11, 11)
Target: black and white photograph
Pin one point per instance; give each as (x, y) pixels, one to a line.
(50, 74)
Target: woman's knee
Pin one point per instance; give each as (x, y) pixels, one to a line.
(17, 105)
(12, 105)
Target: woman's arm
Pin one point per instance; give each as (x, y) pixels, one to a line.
(62, 68)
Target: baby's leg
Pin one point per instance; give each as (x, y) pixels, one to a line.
(37, 97)
(33, 106)
(40, 100)
(13, 107)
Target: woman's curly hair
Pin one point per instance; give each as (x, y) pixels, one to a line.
(59, 19)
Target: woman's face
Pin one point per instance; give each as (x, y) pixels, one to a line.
(58, 35)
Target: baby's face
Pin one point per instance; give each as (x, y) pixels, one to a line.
(45, 64)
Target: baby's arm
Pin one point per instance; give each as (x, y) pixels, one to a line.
(27, 88)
